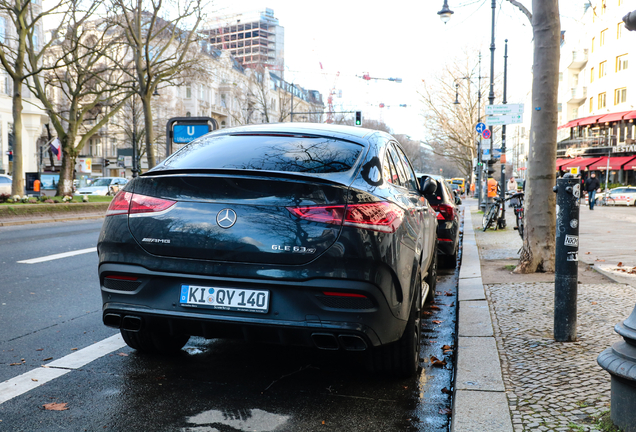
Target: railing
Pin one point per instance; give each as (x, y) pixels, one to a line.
(601, 141)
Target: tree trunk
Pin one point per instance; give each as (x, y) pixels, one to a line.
(540, 213)
(150, 150)
(17, 172)
(65, 185)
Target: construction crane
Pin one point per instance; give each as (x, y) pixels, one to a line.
(332, 92)
(365, 76)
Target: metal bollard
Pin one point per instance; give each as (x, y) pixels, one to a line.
(568, 190)
(620, 361)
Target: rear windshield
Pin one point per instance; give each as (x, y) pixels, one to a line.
(314, 155)
(458, 182)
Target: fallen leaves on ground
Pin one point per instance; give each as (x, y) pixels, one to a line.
(446, 391)
(56, 406)
(594, 303)
(33, 379)
(600, 260)
(587, 253)
(446, 293)
(122, 354)
(434, 307)
(446, 411)
(15, 364)
(437, 321)
(620, 264)
(437, 362)
(427, 312)
(47, 359)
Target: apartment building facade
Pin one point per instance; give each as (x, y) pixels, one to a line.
(255, 39)
(597, 95)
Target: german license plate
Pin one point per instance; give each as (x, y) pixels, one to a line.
(229, 299)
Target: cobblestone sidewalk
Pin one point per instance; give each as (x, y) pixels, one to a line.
(553, 386)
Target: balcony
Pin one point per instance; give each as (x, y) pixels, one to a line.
(577, 94)
(578, 60)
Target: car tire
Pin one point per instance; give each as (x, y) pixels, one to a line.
(431, 278)
(147, 342)
(401, 359)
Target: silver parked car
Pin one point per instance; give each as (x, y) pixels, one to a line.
(5, 184)
(103, 186)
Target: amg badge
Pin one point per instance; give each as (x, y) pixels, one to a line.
(294, 249)
(154, 240)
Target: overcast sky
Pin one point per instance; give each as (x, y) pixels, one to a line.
(403, 39)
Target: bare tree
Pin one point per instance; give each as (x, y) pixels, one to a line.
(23, 33)
(161, 48)
(451, 104)
(80, 88)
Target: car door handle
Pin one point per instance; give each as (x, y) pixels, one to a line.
(421, 208)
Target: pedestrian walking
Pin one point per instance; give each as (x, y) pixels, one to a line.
(592, 185)
(512, 185)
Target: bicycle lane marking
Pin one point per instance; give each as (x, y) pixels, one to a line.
(34, 378)
(58, 256)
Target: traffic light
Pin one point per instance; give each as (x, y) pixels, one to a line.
(106, 162)
(358, 118)
(490, 170)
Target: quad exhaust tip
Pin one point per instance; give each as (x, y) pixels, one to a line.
(328, 341)
(128, 322)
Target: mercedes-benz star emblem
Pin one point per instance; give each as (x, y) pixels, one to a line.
(226, 218)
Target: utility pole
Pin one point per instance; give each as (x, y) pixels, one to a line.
(502, 161)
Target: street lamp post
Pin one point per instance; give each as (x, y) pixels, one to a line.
(445, 15)
(134, 133)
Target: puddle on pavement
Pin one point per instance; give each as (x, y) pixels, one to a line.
(252, 420)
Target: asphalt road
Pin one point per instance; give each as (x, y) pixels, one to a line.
(50, 314)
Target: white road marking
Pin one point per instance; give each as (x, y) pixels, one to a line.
(25, 382)
(58, 256)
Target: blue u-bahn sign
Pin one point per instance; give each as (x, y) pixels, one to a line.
(183, 134)
(182, 130)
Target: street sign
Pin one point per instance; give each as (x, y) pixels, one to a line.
(183, 134)
(485, 143)
(486, 134)
(504, 109)
(480, 127)
(504, 119)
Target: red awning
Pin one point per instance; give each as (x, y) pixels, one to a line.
(612, 117)
(590, 120)
(570, 124)
(560, 162)
(630, 115)
(615, 163)
(580, 163)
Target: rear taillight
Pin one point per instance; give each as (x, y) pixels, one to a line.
(148, 204)
(120, 204)
(444, 211)
(380, 216)
(129, 203)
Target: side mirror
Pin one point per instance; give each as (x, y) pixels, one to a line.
(428, 185)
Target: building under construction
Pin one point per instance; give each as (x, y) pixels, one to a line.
(255, 39)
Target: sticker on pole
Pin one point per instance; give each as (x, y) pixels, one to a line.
(573, 256)
(486, 134)
(574, 223)
(576, 191)
(571, 240)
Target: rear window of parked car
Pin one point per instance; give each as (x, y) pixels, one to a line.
(316, 155)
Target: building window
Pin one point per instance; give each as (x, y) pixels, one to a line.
(601, 69)
(591, 75)
(602, 100)
(593, 43)
(619, 29)
(188, 92)
(621, 62)
(601, 40)
(603, 8)
(560, 76)
(591, 104)
(3, 28)
(620, 96)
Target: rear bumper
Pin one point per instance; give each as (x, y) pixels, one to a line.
(446, 239)
(298, 314)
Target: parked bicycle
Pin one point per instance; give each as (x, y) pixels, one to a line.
(517, 204)
(605, 199)
(493, 216)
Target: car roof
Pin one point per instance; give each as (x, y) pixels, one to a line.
(353, 133)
